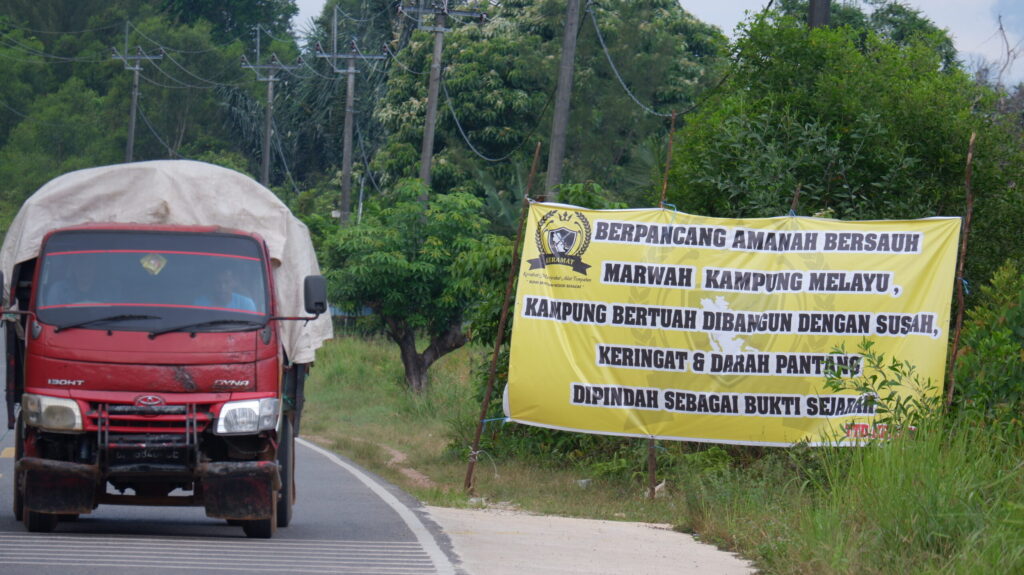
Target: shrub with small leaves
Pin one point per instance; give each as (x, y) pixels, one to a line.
(990, 362)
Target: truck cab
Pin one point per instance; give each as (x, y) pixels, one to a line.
(146, 367)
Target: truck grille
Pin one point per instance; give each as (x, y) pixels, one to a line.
(137, 434)
(148, 419)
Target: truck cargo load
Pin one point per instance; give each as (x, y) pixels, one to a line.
(178, 192)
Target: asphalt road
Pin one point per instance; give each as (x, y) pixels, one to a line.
(346, 521)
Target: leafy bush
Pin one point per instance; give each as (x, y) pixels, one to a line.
(901, 400)
(990, 363)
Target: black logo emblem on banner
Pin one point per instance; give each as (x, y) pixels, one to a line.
(562, 237)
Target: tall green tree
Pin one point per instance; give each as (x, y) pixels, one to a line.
(499, 79)
(863, 125)
(414, 265)
(68, 130)
(235, 18)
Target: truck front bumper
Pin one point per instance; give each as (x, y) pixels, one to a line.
(228, 490)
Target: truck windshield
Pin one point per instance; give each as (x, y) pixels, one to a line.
(148, 281)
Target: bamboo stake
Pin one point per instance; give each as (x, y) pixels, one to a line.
(652, 467)
(668, 162)
(960, 273)
(500, 339)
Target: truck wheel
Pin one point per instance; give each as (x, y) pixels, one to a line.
(286, 461)
(39, 522)
(19, 504)
(261, 528)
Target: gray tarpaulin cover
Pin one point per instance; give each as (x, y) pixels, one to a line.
(179, 192)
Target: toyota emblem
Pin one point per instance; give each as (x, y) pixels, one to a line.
(149, 400)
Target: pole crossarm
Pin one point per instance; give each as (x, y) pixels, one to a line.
(333, 58)
(133, 61)
(273, 67)
(442, 8)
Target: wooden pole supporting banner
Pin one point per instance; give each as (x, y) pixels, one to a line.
(951, 377)
(499, 340)
(652, 467)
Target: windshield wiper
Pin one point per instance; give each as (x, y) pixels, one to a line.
(212, 322)
(118, 317)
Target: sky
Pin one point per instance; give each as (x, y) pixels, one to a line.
(973, 24)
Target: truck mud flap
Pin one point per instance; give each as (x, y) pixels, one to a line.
(58, 486)
(240, 490)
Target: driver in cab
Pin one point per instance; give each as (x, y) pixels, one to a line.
(224, 295)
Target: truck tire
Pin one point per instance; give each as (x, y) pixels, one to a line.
(261, 528)
(19, 450)
(286, 461)
(39, 522)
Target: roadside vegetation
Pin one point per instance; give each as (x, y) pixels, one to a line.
(948, 498)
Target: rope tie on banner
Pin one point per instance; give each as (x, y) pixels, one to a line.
(967, 286)
(501, 419)
(474, 456)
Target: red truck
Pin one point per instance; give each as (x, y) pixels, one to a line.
(158, 340)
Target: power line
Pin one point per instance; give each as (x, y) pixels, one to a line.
(181, 50)
(615, 70)
(284, 162)
(156, 135)
(58, 59)
(180, 85)
(64, 32)
(30, 118)
(366, 161)
(394, 58)
(448, 101)
(212, 83)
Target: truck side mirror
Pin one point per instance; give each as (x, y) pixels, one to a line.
(314, 290)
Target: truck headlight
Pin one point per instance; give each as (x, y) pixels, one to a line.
(51, 413)
(247, 416)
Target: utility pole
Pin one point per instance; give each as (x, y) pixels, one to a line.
(270, 76)
(563, 95)
(350, 71)
(441, 13)
(818, 12)
(133, 63)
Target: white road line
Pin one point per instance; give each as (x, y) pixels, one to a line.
(426, 540)
(244, 569)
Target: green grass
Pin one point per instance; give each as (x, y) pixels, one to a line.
(948, 500)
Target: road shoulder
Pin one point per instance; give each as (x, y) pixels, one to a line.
(505, 542)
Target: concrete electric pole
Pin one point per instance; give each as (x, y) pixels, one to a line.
(345, 207)
(441, 13)
(818, 13)
(563, 95)
(269, 76)
(133, 63)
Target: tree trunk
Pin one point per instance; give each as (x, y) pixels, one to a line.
(416, 364)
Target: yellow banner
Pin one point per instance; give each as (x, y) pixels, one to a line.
(659, 323)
